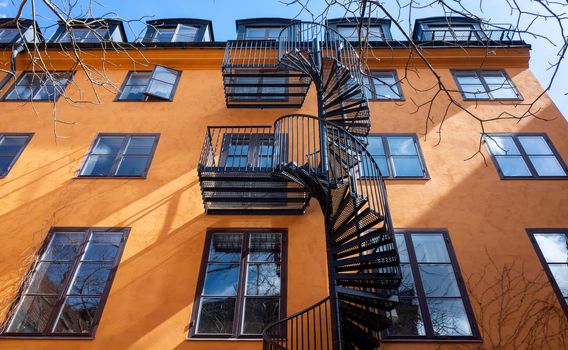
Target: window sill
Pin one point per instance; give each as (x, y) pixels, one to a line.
(432, 340)
(534, 178)
(224, 339)
(47, 337)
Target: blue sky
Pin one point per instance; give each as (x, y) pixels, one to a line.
(223, 13)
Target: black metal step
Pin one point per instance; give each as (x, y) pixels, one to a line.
(362, 316)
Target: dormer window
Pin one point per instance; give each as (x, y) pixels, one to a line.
(90, 31)
(371, 29)
(261, 28)
(178, 31)
(448, 29)
(12, 31)
(8, 35)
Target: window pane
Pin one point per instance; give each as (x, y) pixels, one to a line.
(401, 145)
(5, 162)
(513, 166)
(407, 166)
(448, 317)
(48, 278)
(216, 316)
(407, 287)
(259, 312)
(133, 92)
(78, 315)
(63, 246)
(139, 78)
(165, 75)
(554, 246)
(560, 273)
(502, 145)
(507, 91)
(375, 146)
(406, 318)
(547, 166)
(103, 246)
(98, 165)
(12, 144)
(140, 145)
(468, 78)
(439, 280)
(495, 78)
(221, 279)
(91, 278)
(401, 246)
(534, 145)
(32, 314)
(226, 247)
(20, 93)
(186, 33)
(263, 279)
(160, 89)
(164, 34)
(430, 248)
(383, 167)
(132, 166)
(265, 247)
(108, 145)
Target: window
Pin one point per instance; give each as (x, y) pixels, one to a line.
(260, 86)
(9, 35)
(397, 155)
(84, 35)
(433, 303)
(368, 33)
(241, 283)
(485, 85)
(11, 146)
(39, 86)
(158, 85)
(444, 32)
(68, 283)
(179, 33)
(120, 155)
(383, 85)
(525, 156)
(247, 151)
(263, 33)
(552, 248)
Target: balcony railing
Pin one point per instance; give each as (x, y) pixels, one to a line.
(470, 36)
(251, 54)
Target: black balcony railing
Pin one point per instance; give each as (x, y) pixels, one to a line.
(498, 36)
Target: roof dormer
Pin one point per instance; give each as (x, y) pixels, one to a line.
(372, 29)
(448, 29)
(178, 30)
(261, 28)
(90, 30)
(14, 31)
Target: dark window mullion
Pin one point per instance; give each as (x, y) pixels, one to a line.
(57, 308)
(119, 155)
(420, 294)
(239, 312)
(388, 157)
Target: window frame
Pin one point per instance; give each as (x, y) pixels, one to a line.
(479, 72)
(63, 295)
(240, 297)
(147, 98)
(371, 87)
(421, 296)
(17, 156)
(118, 156)
(531, 232)
(31, 99)
(388, 156)
(523, 154)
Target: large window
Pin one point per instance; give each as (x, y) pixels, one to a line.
(39, 86)
(260, 86)
(11, 146)
(157, 85)
(485, 85)
(525, 156)
(68, 284)
(552, 248)
(242, 283)
(368, 33)
(84, 35)
(120, 155)
(262, 33)
(433, 301)
(397, 155)
(247, 151)
(383, 85)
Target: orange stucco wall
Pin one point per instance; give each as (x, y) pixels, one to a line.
(152, 296)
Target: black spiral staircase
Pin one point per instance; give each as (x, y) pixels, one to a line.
(325, 157)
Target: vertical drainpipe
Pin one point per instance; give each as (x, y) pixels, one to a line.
(16, 49)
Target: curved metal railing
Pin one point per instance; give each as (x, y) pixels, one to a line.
(307, 329)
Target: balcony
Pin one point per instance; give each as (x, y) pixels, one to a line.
(252, 79)
(236, 174)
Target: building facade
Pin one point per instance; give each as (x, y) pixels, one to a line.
(185, 208)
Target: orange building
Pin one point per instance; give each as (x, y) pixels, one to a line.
(184, 193)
